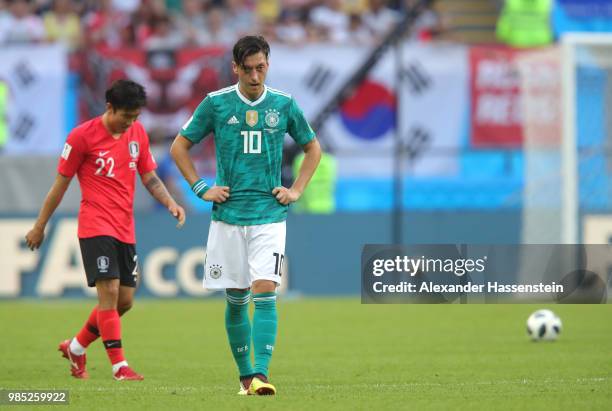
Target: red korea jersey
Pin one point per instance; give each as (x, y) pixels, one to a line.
(106, 168)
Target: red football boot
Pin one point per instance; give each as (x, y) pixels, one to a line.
(125, 373)
(77, 362)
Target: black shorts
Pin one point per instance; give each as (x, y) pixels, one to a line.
(106, 257)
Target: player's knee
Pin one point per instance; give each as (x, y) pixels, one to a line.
(108, 287)
(263, 286)
(124, 306)
(108, 293)
(237, 289)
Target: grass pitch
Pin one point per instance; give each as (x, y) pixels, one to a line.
(330, 354)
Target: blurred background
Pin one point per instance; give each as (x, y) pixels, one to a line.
(448, 121)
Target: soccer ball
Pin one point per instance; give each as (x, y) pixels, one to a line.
(543, 325)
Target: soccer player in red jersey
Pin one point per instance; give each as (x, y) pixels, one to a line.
(106, 153)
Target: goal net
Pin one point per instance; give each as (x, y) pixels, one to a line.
(567, 117)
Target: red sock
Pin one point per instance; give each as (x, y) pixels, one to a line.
(89, 333)
(110, 330)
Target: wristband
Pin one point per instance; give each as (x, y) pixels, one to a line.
(200, 187)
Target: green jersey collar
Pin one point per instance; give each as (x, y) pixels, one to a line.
(249, 102)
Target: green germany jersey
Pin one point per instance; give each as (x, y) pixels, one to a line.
(249, 148)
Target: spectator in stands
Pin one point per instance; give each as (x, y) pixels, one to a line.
(39, 7)
(191, 21)
(163, 35)
(268, 29)
(127, 6)
(379, 18)
(331, 20)
(319, 197)
(526, 23)
(267, 11)
(352, 7)
(4, 15)
(359, 34)
(63, 25)
(174, 6)
(428, 24)
(158, 7)
(290, 28)
(296, 4)
(108, 27)
(218, 33)
(239, 18)
(141, 22)
(84, 7)
(21, 25)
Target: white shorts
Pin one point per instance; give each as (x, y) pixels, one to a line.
(236, 255)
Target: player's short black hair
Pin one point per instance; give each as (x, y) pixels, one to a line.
(249, 45)
(127, 95)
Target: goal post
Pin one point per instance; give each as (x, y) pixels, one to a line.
(567, 128)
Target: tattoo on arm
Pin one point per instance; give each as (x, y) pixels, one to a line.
(158, 190)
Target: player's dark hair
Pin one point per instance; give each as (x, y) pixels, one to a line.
(249, 45)
(126, 94)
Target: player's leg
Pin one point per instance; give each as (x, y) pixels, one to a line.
(109, 321)
(110, 329)
(126, 299)
(265, 324)
(90, 332)
(100, 262)
(226, 268)
(129, 278)
(238, 329)
(266, 245)
(128, 269)
(75, 349)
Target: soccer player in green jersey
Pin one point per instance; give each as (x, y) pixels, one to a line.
(246, 241)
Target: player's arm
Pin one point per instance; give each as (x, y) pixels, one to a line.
(36, 235)
(312, 155)
(158, 190)
(180, 154)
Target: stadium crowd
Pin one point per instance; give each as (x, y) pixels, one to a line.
(169, 24)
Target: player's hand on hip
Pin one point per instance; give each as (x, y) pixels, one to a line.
(34, 238)
(218, 194)
(286, 195)
(177, 212)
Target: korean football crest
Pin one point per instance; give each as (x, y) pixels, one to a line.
(252, 117)
(134, 149)
(103, 263)
(272, 118)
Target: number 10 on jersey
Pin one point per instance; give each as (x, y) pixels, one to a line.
(252, 141)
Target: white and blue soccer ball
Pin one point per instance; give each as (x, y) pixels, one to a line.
(544, 325)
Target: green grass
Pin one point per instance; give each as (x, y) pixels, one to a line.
(330, 354)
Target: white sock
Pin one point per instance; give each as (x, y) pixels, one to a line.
(76, 347)
(119, 365)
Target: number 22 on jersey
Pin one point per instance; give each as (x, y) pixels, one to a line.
(102, 163)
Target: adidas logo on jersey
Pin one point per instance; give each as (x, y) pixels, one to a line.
(233, 120)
